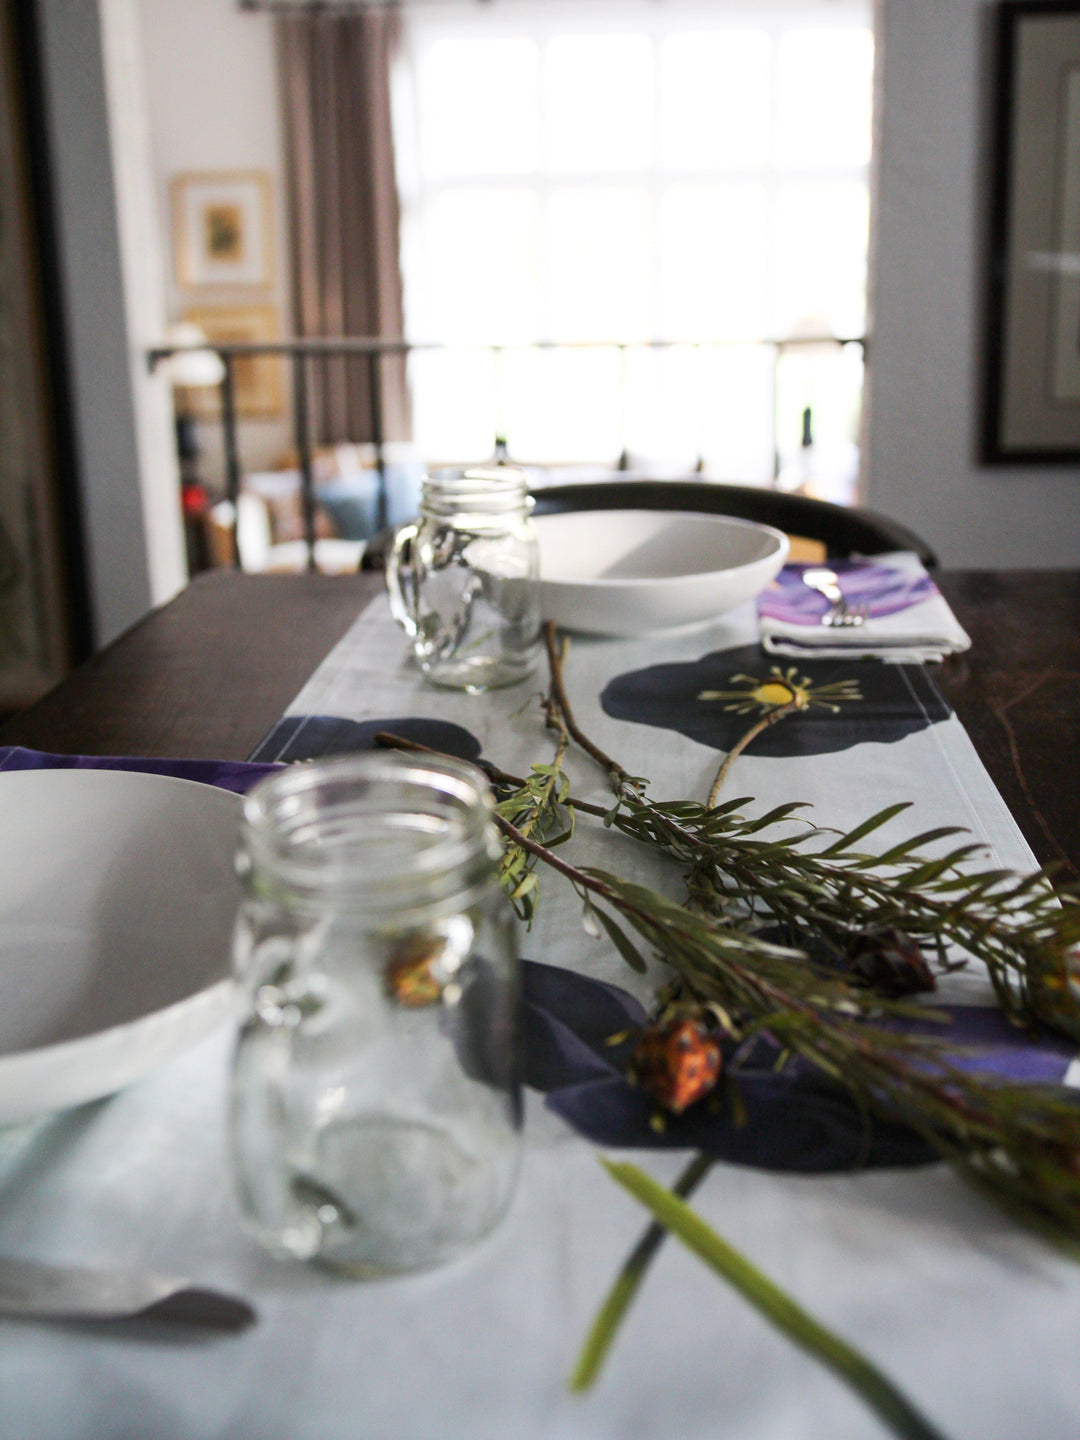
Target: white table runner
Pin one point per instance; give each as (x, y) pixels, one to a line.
(975, 1320)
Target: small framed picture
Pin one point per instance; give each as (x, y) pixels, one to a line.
(1033, 374)
(258, 379)
(222, 229)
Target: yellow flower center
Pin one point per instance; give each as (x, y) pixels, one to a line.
(775, 693)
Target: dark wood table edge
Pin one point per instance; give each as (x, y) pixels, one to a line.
(203, 676)
(1017, 694)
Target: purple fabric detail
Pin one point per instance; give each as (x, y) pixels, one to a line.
(306, 737)
(235, 775)
(986, 1043)
(795, 1118)
(883, 589)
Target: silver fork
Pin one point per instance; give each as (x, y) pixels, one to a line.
(840, 613)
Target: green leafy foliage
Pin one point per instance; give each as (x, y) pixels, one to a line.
(538, 810)
(777, 907)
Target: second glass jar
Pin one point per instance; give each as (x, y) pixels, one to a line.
(462, 579)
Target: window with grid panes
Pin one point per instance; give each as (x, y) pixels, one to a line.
(580, 179)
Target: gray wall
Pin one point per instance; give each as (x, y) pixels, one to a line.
(126, 451)
(928, 269)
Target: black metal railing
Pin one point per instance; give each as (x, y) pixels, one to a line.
(302, 352)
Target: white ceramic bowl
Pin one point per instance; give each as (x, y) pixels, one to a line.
(630, 572)
(117, 903)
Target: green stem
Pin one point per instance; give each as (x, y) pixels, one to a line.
(780, 1309)
(604, 1328)
(755, 730)
(386, 740)
(618, 778)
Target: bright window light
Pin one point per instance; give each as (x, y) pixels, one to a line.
(715, 99)
(682, 186)
(481, 266)
(479, 107)
(819, 272)
(598, 103)
(598, 253)
(562, 406)
(823, 88)
(713, 261)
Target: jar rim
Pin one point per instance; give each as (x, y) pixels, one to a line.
(492, 488)
(381, 829)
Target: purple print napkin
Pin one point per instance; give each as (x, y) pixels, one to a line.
(235, 775)
(906, 618)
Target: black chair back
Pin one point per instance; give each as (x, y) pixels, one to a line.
(843, 530)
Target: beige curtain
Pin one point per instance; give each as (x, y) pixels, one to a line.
(343, 213)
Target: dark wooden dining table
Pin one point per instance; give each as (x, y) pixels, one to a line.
(206, 675)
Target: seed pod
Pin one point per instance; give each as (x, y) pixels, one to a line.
(411, 975)
(677, 1063)
(892, 965)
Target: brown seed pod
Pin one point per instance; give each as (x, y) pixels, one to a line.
(677, 1063)
(410, 977)
(892, 965)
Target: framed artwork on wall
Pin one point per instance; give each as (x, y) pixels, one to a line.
(1033, 380)
(258, 379)
(222, 229)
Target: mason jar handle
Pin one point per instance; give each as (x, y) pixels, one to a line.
(398, 608)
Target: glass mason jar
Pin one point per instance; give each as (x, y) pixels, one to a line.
(462, 579)
(375, 1106)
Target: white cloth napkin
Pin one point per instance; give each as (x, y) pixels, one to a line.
(908, 619)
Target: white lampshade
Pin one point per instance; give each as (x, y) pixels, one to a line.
(193, 366)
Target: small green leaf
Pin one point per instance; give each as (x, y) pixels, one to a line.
(917, 842)
(588, 919)
(867, 827)
(774, 817)
(624, 946)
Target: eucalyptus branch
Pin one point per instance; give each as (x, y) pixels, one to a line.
(535, 818)
(1019, 927)
(1017, 1141)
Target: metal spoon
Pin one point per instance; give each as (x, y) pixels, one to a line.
(33, 1289)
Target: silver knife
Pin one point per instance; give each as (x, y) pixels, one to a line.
(33, 1289)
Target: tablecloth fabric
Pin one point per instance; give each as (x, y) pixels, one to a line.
(919, 1270)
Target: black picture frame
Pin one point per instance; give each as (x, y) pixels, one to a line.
(1032, 409)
